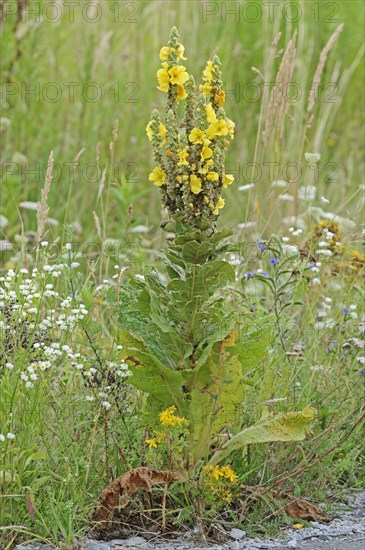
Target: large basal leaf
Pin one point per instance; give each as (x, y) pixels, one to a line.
(216, 395)
(283, 427)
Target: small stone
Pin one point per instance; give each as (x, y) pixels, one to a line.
(323, 537)
(135, 541)
(292, 543)
(237, 534)
(95, 545)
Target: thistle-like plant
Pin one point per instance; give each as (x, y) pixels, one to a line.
(184, 336)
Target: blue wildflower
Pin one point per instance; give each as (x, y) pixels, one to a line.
(260, 244)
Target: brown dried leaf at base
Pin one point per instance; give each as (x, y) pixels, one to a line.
(300, 508)
(121, 489)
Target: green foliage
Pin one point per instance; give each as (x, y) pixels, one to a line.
(188, 345)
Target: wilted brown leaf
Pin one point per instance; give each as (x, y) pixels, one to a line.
(30, 505)
(122, 488)
(300, 508)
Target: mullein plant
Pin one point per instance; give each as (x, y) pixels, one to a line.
(183, 335)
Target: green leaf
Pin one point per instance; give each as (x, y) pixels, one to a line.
(283, 427)
(220, 235)
(196, 253)
(162, 384)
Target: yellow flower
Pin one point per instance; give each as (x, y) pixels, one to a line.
(229, 474)
(168, 418)
(195, 184)
(227, 180)
(152, 443)
(164, 53)
(158, 176)
(212, 176)
(206, 153)
(149, 130)
(210, 112)
(162, 133)
(220, 98)
(163, 78)
(197, 136)
(180, 51)
(220, 204)
(207, 73)
(205, 89)
(231, 126)
(183, 154)
(206, 168)
(218, 128)
(218, 472)
(178, 75)
(214, 472)
(227, 497)
(181, 93)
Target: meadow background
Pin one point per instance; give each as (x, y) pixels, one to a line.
(118, 54)
(73, 434)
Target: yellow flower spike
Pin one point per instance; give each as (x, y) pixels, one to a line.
(158, 176)
(218, 128)
(197, 136)
(206, 153)
(212, 176)
(227, 180)
(164, 53)
(163, 78)
(152, 443)
(178, 75)
(210, 112)
(183, 155)
(195, 184)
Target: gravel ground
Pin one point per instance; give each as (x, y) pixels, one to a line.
(345, 532)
